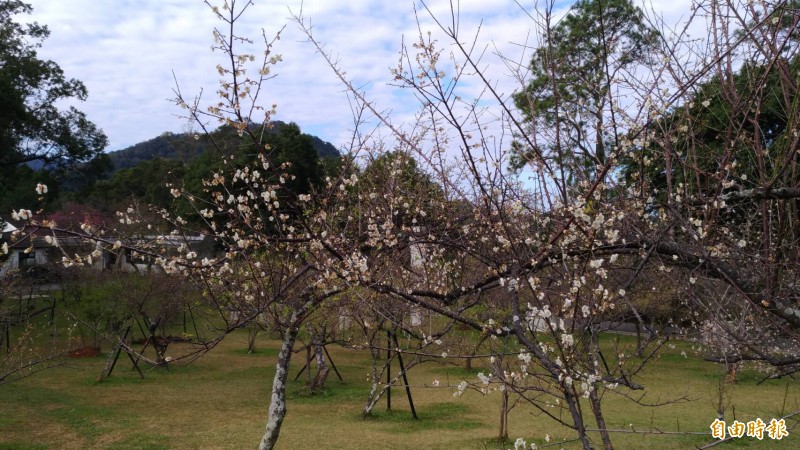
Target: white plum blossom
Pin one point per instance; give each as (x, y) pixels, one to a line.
(22, 214)
(461, 388)
(41, 189)
(513, 285)
(51, 240)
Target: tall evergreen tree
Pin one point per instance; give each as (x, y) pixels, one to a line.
(572, 75)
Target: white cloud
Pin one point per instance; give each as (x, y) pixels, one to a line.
(126, 52)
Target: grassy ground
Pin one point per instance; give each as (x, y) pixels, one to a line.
(221, 402)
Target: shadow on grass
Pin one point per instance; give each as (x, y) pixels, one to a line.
(257, 352)
(334, 391)
(459, 372)
(74, 412)
(144, 442)
(442, 416)
(20, 446)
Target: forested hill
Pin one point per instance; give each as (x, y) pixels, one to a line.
(184, 147)
(112, 180)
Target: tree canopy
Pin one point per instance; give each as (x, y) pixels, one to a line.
(32, 126)
(35, 133)
(569, 88)
(697, 135)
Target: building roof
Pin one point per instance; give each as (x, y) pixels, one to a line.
(7, 227)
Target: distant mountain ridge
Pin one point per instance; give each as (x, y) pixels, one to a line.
(185, 146)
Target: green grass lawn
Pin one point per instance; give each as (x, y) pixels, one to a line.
(220, 401)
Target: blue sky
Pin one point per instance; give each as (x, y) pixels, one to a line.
(126, 53)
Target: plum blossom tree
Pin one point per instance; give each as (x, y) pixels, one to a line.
(563, 254)
(550, 262)
(546, 265)
(718, 163)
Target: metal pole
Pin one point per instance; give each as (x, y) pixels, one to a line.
(405, 379)
(388, 370)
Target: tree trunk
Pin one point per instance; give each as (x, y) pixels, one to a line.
(372, 399)
(252, 334)
(277, 405)
(322, 367)
(577, 418)
(374, 393)
(639, 346)
(730, 378)
(475, 351)
(504, 416)
(594, 399)
(377, 392)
